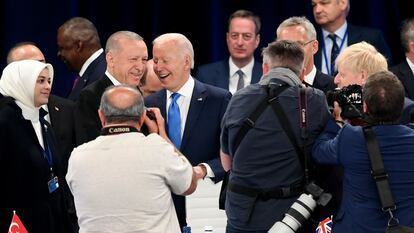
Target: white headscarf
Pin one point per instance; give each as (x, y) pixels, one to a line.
(18, 81)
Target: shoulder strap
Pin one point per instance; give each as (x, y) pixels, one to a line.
(251, 120)
(378, 171)
(286, 125)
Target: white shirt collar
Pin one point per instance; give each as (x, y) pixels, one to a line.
(247, 69)
(340, 32)
(310, 78)
(113, 80)
(410, 64)
(89, 61)
(186, 90)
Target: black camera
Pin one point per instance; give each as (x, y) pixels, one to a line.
(301, 209)
(349, 99)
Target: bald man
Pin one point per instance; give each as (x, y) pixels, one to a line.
(79, 47)
(122, 181)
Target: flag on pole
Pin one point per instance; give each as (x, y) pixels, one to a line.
(16, 225)
(324, 226)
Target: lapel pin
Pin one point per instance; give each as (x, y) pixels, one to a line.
(200, 99)
(56, 108)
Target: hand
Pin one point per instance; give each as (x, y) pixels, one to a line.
(200, 171)
(154, 120)
(337, 110)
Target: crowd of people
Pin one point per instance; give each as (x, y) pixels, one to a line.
(136, 134)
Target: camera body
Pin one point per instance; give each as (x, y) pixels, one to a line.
(301, 209)
(349, 99)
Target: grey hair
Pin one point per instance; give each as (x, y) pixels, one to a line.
(296, 21)
(115, 114)
(285, 54)
(407, 33)
(181, 41)
(112, 44)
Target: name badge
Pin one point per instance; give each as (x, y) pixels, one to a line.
(53, 184)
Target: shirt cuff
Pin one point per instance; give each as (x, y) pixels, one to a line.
(210, 173)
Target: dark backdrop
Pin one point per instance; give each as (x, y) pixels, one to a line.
(204, 22)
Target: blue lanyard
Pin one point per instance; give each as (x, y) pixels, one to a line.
(325, 57)
(47, 154)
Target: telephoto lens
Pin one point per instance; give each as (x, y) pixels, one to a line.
(294, 218)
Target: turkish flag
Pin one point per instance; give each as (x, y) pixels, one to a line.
(16, 225)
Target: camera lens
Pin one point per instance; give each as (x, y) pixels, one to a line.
(300, 210)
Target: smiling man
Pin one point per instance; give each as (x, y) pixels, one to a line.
(240, 69)
(126, 57)
(193, 110)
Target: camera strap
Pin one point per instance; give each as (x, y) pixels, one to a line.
(379, 174)
(284, 122)
(249, 122)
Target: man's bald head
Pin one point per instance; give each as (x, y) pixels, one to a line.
(122, 104)
(25, 51)
(77, 40)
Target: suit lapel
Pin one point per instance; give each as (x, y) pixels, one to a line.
(223, 75)
(257, 73)
(53, 110)
(408, 80)
(196, 105)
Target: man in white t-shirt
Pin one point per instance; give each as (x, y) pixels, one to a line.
(122, 181)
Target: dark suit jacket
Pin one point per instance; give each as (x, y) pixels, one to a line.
(87, 123)
(358, 34)
(323, 82)
(61, 113)
(24, 173)
(217, 73)
(94, 72)
(405, 74)
(201, 138)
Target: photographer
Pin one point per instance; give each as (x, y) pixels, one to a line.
(266, 172)
(360, 211)
(122, 181)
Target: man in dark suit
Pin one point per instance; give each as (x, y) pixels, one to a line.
(193, 110)
(405, 70)
(242, 40)
(126, 57)
(300, 30)
(331, 15)
(80, 49)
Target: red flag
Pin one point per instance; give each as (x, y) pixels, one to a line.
(16, 225)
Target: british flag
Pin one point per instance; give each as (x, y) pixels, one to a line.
(324, 226)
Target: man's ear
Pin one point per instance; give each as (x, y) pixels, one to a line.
(101, 117)
(364, 77)
(142, 118)
(265, 68)
(364, 107)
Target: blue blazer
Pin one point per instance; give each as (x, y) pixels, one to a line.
(360, 209)
(201, 138)
(405, 74)
(217, 73)
(358, 34)
(94, 72)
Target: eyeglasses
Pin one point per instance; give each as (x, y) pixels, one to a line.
(303, 44)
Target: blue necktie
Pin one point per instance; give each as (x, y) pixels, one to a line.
(174, 121)
(334, 53)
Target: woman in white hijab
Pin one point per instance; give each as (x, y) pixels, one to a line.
(29, 167)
